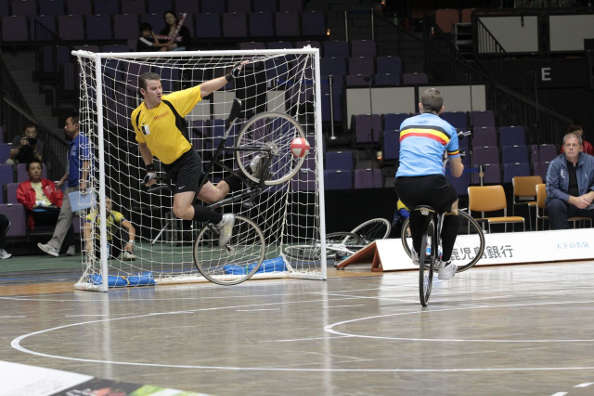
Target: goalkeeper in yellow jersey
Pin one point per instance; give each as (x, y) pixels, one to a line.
(161, 131)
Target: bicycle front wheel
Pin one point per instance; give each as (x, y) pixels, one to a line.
(370, 230)
(269, 135)
(235, 262)
(426, 262)
(338, 245)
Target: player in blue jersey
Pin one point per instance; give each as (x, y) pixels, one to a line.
(420, 178)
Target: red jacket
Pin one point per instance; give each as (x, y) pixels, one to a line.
(26, 196)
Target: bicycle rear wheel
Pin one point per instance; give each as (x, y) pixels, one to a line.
(235, 262)
(269, 135)
(370, 230)
(426, 262)
(469, 246)
(338, 245)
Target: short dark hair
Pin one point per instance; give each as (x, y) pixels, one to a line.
(75, 118)
(29, 125)
(34, 161)
(172, 13)
(147, 76)
(145, 26)
(573, 128)
(431, 100)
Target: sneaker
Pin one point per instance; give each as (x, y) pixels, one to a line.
(71, 251)
(4, 254)
(447, 270)
(48, 249)
(256, 166)
(127, 256)
(225, 228)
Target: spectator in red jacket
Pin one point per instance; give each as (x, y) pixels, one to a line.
(39, 196)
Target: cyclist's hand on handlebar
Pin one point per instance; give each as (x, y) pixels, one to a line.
(150, 177)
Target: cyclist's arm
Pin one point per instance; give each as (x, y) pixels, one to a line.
(146, 154)
(456, 166)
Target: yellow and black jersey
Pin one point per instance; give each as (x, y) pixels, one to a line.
(163, 128)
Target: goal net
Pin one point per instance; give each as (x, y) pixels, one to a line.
(289, 213)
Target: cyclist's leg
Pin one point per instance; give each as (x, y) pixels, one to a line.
(412, 192)
(449, 231)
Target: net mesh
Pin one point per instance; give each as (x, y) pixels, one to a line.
(287, 213)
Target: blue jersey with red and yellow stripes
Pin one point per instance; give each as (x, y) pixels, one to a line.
(423, 140)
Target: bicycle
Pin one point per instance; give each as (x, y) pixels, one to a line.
(430, 249)
(268, 135)
(341, 245)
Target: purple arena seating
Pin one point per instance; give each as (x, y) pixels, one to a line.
(492, 174)
(361, 65)
(359, 80)
(482, 118)
(485, 155)
(265, 5)
(415, 78)
(290, 5)
(21, 173)
(512, 135)
(6, 174)
(312, 23)
(386, 80)
(368, 178)
(337, 96)
(51, 7)
(15, 28)
(159, 6)
(4, 8)
(16, 215)
(261, 24)
(389, 64)
(24, 7)
(4, 152)
(213, 6)
(458, 119)
(392, 121)
(188, 6)
(546, 152)
(107, 7)
(511, 170)
(238, 6)
(484, 136)
(154, 19)
(71, 27)
(336, 179)
(541, 168)
(339, 49)
(391, 144)
(363, 48)
(11, 195)
(98, 27)
(79, 7)
(207, 25)
(514, 154)
(134, 7)
(339, 160)
(43, 28)
(333, 65)
(461, 183)
(367, 128)
(287, 24)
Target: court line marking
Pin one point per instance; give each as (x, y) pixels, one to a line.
(16, 344)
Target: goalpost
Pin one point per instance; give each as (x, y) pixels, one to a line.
(285, 81)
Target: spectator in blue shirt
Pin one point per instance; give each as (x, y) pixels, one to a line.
(79, 164)
(570, 183)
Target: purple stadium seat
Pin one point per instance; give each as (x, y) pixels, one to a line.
(339, 160)
(238, 6)
(414, 79)
(484, 136)
(363, 48)
(43, 28)
(133, 7)
(392, 121)
(338, 179)
(482, 118)
(515, 153)
(391, 144)
(4, 152)
(511, 170)
(107, 7)
(207, 25)
(79, 7)
(485, 155)
(24, 7)
(359, 80)
(368, 178)
(154, 19)
(71, 27)
(492, 174)
(339, 49)
(546, 152)
(125, 26)
(51, 7)
(16, 215)
(4, 8)
(290, 5)
(312, 23)
(21, 173)
(252, 45)
(11, 195)
(512, 135)
(15, 28)
(386, 80)
(287, 24)
(458, 119)
(361, 65)
(212, 6)
(6, 174)
(337, 96)
(367, 127)
(333, 65)
(540, 169)
(98, 27)
(389, 64)
(159, 6)
(261, 24)
(189, 6)
(265, 5)
(461, 183)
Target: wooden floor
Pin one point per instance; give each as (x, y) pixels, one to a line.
(489, 331)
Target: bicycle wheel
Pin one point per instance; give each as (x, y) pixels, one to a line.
(338, 244)
(469, 246)
(426, 261)
(269, 135)
(370, 230)
(235, 262)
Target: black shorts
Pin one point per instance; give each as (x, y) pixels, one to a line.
(186, 172)
(432, 190)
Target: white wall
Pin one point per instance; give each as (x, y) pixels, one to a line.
(383, 100)
(458, 97)
(514, 33)
(567, 32)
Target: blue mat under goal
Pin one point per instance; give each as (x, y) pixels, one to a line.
(276, 264)
(140, 279)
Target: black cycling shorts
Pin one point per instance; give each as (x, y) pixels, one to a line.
(433, 190)
(186, 172)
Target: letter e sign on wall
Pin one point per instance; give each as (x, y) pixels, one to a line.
(545, 73)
